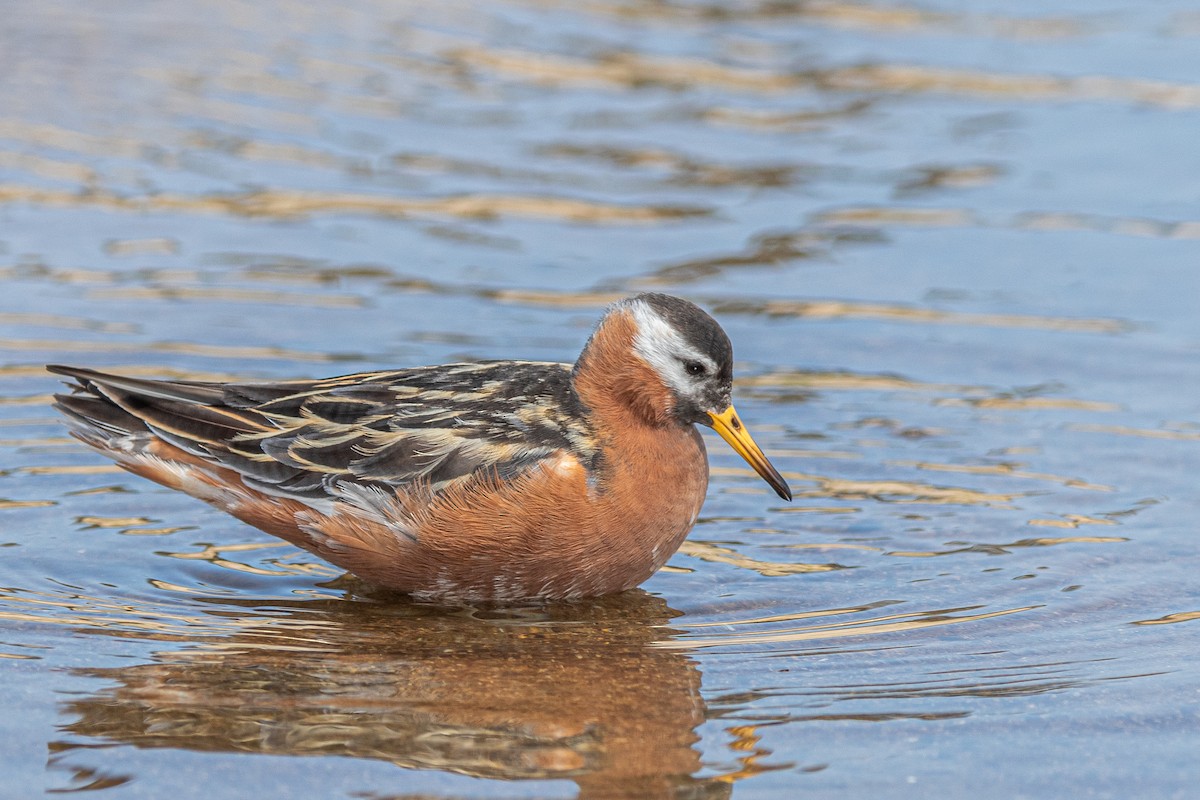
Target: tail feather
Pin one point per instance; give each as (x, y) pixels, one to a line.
(123, 416)
(186, 391)
(89, 412)
(190, 411)
(203, 423)
(181, 435)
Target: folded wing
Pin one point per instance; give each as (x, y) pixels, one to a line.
(311, 440)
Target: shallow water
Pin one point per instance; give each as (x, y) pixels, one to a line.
(955, 246)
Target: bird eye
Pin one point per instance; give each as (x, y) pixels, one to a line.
(695, 368)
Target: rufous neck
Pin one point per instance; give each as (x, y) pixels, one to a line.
(615, 383)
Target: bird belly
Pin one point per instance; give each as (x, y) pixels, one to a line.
(552, 533)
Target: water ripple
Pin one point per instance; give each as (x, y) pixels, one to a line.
(871, 626)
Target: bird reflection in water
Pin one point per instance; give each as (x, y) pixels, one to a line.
(571, 691)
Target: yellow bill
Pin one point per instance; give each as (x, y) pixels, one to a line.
(733, 431)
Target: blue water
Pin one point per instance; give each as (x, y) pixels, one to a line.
(954, 246)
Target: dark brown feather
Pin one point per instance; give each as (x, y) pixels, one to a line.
(437, 425)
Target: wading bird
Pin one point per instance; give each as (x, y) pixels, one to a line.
(496, 481)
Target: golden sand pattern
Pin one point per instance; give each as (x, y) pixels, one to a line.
(21, 422)
(27, 400)
(129, 617)
(48, 441)
(890, 17)
(165, 530)
(682, 170)
(74, 469)
(1144, 433)
(534, 297)
(111, 489)
(1001, 549)
(228, 295)
(902, 18)
(784, 452)
(175, 284)
(1031, 403)
(283, 204)
(432, 163)
(768, 120)
(58, 321)
(848, 381)
(1183, 616)
(622, 70)
(837, 309)
(1010, 680)
(22, 371)
(885, 491)
(625, 69)
(891, 623)
(159, 246)
(764, 250)
(901, 492)
(793, 616)
(901, 217)
(1071, 521)
(105, 614)
(215, 555)
(175, 373)
(1007, 470)
(51, 169)
(66, 140)
(717, 554)
(169, 586)
(239, 352)
(292, 269)
(912, 79)
(112, 522)
(932, 178)
(5, 505)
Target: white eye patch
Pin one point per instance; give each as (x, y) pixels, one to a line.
(662, 347)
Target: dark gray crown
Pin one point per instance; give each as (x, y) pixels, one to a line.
(696, 326)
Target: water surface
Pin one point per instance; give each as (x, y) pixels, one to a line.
(955, 246)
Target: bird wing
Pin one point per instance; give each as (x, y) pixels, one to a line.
(312, 439)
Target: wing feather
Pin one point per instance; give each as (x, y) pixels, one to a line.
(312, 439)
